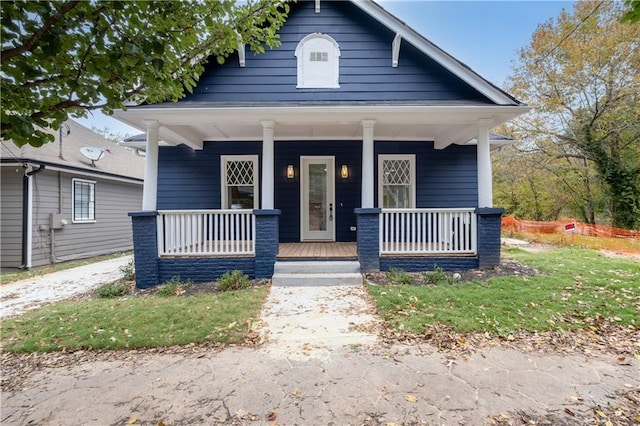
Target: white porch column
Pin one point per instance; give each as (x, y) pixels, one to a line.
(485, 183)
(367, 163)
(150, 189)
(267, 164)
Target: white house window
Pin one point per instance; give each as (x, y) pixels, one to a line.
(396, 181)
(239, 181)
(319, 57)
(318, 62)
(83, 200)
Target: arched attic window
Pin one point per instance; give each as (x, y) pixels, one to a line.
(318, 62)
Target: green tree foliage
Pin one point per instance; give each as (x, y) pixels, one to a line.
(632, 15)
(581, 74)
(64, 58)
(533, 185)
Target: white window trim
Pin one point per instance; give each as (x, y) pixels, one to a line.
(223, 178)
(73, 201)
(412, 189)
(302, 55)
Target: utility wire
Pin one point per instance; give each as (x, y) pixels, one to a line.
(570, 33)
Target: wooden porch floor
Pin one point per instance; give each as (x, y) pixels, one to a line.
(317, 250)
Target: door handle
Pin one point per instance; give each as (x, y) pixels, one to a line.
(330, 211)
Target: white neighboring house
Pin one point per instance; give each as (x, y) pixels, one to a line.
(58, 206)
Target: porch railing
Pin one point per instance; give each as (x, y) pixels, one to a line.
(206, 232)
(428, 231)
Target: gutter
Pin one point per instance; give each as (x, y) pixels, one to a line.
(71, 169)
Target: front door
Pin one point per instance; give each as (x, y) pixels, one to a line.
(317, 199)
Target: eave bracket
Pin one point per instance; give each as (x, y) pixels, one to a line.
(395, 50)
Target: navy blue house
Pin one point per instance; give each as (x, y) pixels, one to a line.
(357, 133)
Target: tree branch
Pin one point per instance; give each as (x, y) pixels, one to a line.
(30, 44)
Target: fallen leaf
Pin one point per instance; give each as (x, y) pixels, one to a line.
(601, 414)
(133, 420)
(160, 423)
(504, 416)
(410, 398)
(623, 360)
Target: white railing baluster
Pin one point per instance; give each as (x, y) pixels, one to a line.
(428, 231)
(206, 232)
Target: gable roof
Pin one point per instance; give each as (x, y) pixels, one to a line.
(457, 67)
(429, 96)
(117, 161)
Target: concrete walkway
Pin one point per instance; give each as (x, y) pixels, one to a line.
(320, 365)
(24, 295)
(311, 322)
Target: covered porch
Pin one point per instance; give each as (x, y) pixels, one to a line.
(201, 244)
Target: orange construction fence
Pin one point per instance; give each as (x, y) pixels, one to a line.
(511, 224)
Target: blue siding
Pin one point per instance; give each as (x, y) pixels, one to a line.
(189, 179)
(444, 178)
(365, 65)
(287, 191)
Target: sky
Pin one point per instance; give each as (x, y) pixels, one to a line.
(485, 35)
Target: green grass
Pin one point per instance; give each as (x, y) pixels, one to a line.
(16, 275)
(134, 322)
(575, 289)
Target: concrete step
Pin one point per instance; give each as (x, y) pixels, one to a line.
(316, 279)
(316, 273)
(317, 267)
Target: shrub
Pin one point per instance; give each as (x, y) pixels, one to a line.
(173, 287)
(128, 272)
(438, 276)
(112, 290)
(234, 280)
(399, 277)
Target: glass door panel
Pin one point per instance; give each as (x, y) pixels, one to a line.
(317, 198)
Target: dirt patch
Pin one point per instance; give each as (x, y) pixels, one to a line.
(188, 289)
(506, 268)
(620, 255)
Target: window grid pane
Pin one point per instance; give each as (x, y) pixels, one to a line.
(396, 183)
(240, 184)
(240, 172)
(84, 201)
(397, 172)
(319, 56)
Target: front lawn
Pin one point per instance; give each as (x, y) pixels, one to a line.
(135, 322)
(574, 289)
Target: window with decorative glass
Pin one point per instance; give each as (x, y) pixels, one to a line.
(83, 200)
(396, 181)
(239, 182)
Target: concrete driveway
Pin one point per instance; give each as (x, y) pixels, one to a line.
(24, 295)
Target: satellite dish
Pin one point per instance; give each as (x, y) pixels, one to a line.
(92, 153)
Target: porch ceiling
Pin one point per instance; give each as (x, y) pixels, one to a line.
(442, 124)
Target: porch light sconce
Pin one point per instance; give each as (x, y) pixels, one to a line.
(290, 171)
(344, 171)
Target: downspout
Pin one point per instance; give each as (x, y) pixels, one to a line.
(27, 215)
(52, 232)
